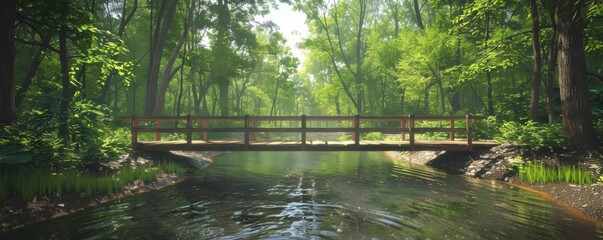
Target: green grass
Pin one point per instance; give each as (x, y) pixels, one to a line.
(539, 173)
(31, 182)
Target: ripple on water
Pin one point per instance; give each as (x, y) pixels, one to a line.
(320, 195)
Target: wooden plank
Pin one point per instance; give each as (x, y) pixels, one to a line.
(371, 142)
(260, 142)
(335, 143)
(424, 130)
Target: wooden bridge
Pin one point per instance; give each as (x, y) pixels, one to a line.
(303, 133)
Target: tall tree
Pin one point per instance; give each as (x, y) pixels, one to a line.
(63, 130)
(537, 72)
(551, 61)
(221, 53)
(159, 37)
(488, 71)
(577, 119)
(418, 17)
(8, 11)
(169, 72)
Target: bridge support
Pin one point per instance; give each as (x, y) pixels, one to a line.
(303, 132)
(469, 131)
(411, 129)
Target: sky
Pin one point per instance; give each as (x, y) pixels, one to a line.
(292, 25)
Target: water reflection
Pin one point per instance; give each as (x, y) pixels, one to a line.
(328, 195)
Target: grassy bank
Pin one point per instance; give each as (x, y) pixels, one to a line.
(540, 173)
(29, 182)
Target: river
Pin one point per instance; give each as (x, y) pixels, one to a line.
(320, 195)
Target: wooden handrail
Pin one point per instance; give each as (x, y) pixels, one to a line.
(250, 126)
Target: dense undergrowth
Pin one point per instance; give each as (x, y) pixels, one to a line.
(29, 182)
(35, 160)
(35, 139)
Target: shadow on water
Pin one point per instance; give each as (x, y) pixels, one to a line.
(320, 195)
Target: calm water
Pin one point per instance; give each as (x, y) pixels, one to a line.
(320, 195)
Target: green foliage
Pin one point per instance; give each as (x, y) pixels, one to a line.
(531, 133)
(32, 182)
(599, 129)
(540, 173)
(600, 175)
(92, 139)
(14, 154)
(345, 137)
(433, 135)
(373, 136)
(487, 128)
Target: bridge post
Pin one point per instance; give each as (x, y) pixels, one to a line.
(303, 133)
(356, 134)
(469, 131)
(403, 125)
(189, 130)
(246, 129)
(134, 131)
(411, 129)
(452, 130)
(158, 134)
(205, 125)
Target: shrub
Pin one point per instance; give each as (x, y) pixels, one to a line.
(531, 134)
(91, 137)
(599, 128)
(372, 136)
(486, 128)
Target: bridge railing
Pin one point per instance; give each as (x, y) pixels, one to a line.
(250, 126)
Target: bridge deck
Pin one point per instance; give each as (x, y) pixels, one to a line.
(197, 131)
(200, 145)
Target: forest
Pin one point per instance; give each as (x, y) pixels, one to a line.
(69, 68)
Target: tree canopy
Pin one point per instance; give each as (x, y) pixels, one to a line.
(368, 57)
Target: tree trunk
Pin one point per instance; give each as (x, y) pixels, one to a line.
(157, 44)
(551, 71)
(442, 95)
(63, 130)
(167, 78)
(577, 118)
(537, 72)
(278, 83)
(426, 100)
(417, 11)
(359, 77)
(455, 98)
(196, 99)
(221, 60)
(32, 70)
(8, 11)
(488, 75)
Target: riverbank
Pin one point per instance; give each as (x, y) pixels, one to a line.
(583, 201)
(16, 213)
